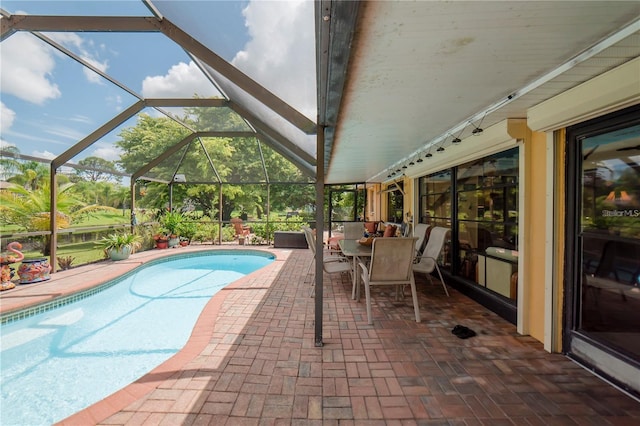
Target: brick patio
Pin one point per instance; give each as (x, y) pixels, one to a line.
(252, 361)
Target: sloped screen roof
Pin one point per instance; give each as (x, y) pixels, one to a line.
(92, 71)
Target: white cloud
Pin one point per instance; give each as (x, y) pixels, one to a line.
(86, 51)
(181, 81)
(92, 76)
(4, 144)
(44, 154)
(115, 101)
(25, 69)
(7, 115)
(107, 152)
(64, 132)
(81, 119)
(281, 53)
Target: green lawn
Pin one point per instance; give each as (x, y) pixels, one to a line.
(82, 252)
(102, 218)
(93, 219)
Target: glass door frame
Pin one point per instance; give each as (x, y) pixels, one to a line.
(573, 198)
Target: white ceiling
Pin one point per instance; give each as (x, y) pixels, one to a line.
(417, 70)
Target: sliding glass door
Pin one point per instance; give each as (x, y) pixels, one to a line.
(605, 234)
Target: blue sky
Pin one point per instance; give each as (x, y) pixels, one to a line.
(49, 102)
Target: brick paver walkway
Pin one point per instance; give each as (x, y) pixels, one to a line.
(252, 361)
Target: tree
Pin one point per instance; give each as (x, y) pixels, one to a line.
(31, 175)
(31, 209)
(147, 140)
(235, 161)
(97, 170)
(9, 166)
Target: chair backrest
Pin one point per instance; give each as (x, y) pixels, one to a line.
(311, 241)
(436, 242)
(237, 225)
(420, 231)
(392, 259)
(407, 229)
(353, 230)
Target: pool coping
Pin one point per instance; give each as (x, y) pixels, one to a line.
(85, 278)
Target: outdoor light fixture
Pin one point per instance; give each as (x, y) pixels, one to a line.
(412, 163)
(419, 160)
(477, 129)
(440, 149)
(429, 155)
(456, 140)
(404, 167)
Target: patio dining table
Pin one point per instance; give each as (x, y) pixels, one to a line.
(355, 251)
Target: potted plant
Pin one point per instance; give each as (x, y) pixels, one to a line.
(161, 240)
(187, 231)
(119, 246)
(172, 221)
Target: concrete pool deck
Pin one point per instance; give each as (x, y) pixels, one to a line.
(251, 359)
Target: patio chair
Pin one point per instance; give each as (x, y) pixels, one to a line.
(391, 264)
(240, 229)
(353, 230)
(330, 264)
(428, 261)
(420, 232)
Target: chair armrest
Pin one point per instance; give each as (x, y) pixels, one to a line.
(333, 258)
(363, 266)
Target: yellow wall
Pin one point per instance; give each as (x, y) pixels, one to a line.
(534, 238)
(407, 200)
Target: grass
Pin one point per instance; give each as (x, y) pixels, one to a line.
(92, 219)
(83, 253)
(102, 218)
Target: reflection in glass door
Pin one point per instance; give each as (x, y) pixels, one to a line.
(609, 236)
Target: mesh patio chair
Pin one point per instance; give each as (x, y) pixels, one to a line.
(331, 264)
(420, 232)
(391, 264)
(353, 230)
(429, 259)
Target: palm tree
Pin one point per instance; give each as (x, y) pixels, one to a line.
(31, 209)
(30, 174)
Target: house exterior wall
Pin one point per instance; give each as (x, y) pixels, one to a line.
(534, 239)
(610, 92)
(543, 210)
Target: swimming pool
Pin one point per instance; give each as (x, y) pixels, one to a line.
(58, 362)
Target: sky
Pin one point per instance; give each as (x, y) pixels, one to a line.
(49, 102)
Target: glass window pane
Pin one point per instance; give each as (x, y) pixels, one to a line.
(487, 201)
(610, 224)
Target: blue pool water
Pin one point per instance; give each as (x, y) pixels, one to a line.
(61, 361)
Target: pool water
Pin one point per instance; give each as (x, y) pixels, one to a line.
(57, 363)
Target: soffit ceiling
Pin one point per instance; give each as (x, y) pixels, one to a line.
(420, 73)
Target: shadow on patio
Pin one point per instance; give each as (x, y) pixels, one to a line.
(260, 365)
